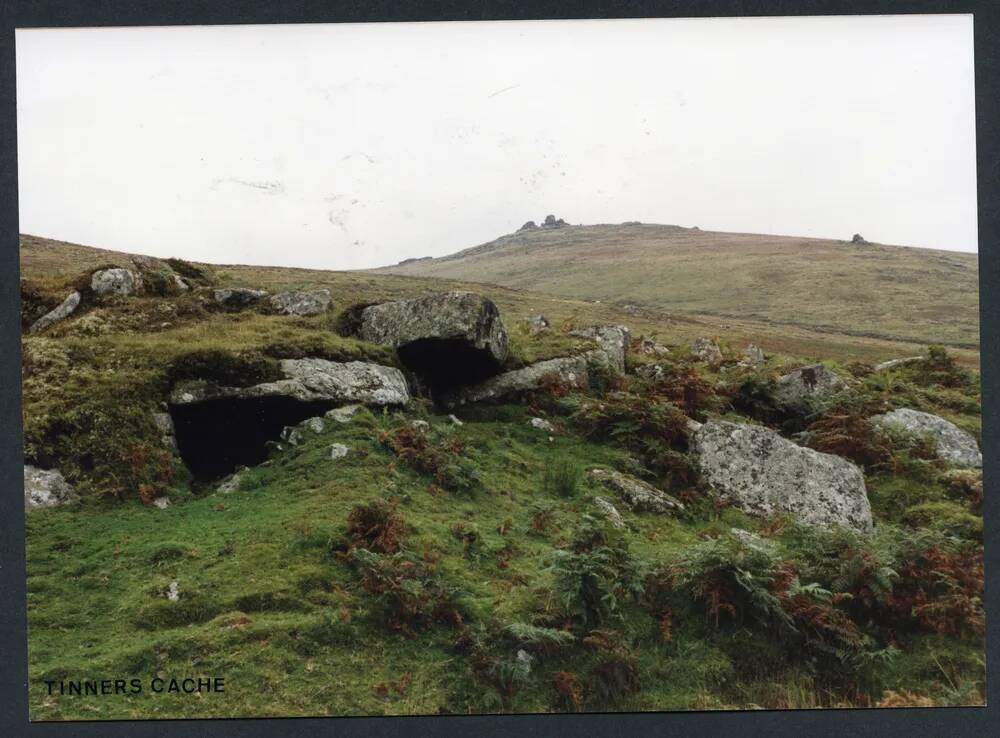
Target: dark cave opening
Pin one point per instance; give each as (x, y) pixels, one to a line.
(447, 363)
(217, 436)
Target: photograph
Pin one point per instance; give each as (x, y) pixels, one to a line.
(500, 367)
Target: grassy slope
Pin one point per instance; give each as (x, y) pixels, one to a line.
(266, 604)
(887, 291)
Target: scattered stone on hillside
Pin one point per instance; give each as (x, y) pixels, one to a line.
(652, 372)
(292, 435)
(800, 388)
(421, 425)
(115, 281)
(635, 493)
(180, 283)
(613, 341)
(232, 482)
(529, 226)
(892, 363)
(571, 371)
(756, 470)
(449, 339)
(707, 350)
(610, 512)
(343, 414)
(455, 421)
(173, 592)
(954, 445)
(338, 451)
(651, 348)
(524, 661)
(309, 380)
(46, 488)
(63, 311)
(753, 356)
(165, 424)
(302, 302)
(541, 424)
(161, 503)
(238, 297)
(537, 324)
(752, 540)
(316, 425)
(552, 221)
(858, 238)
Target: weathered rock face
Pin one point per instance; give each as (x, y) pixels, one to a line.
(165, 424)
(570, 372)
(761, 473)
(219, 428)
(310, 380)
(529, 226)
(449, 339)
(115, 281)
(610, 512)
(62, 312)
(858, 238)
(635, 493)
(552, 221)
(707, 350)
(46, 488)
(302, 302)
(343, 414)
(238, 297)
(613, 341)
(804, 386)
(954, 446)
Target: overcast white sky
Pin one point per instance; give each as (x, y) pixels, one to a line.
(349, 146)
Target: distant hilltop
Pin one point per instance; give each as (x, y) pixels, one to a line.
(849, 285)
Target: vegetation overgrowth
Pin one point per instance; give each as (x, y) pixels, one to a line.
(446, 568)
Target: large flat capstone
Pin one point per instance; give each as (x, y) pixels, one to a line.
(310, 380)
(449, 339)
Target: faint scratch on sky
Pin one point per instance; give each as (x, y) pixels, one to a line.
(270, 187)
(500, 92)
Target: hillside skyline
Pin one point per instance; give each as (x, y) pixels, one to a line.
(353, 146)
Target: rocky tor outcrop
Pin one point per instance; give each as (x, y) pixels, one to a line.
(761, 473)
(954, 445)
